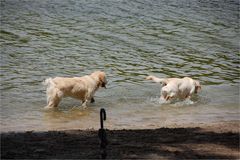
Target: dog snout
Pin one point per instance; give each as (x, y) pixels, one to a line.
(104, 85)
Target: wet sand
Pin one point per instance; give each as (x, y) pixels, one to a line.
(203, 141)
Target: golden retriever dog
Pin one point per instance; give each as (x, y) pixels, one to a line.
(82, 88)
(172, 88)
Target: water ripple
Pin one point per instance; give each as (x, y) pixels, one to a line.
(128, 40)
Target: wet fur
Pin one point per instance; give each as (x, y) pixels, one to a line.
(172, 88)
(82, 88)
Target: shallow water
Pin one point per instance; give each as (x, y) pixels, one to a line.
(128, 40)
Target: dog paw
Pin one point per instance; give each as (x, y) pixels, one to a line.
(84, 106)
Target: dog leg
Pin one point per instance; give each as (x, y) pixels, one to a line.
(53, 103)
(88, 98)
(84, 104)
(162, 98)
(54, 99)
(85, 101)
(188, 97)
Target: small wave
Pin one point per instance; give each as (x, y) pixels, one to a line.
(157, 100)
(186, 102)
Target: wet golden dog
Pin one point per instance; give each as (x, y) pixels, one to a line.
(182, 88)
(82, 88)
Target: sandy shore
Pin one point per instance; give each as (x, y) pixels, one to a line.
(204, 141)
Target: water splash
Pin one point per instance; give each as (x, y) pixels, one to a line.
(158, 101)
(186, 102)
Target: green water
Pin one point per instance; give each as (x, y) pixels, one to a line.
(128, 40)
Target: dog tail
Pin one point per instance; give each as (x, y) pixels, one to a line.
(50, 87)
(155, 79)
(48, 82)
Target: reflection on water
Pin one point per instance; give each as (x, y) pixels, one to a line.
(54, 119)
(64, 116)
(128, 40)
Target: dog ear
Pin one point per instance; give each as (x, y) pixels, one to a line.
(102, 79)
(101, 76)
(197, 86)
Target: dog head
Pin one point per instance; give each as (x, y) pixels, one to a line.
(101, 78)
(197, 86)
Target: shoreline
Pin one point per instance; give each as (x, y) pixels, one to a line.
(110, 127)
(204, 141)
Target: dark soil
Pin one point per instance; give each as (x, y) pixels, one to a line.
(165, 143)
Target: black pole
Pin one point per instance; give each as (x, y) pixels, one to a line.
(102, 116)
(102, 134)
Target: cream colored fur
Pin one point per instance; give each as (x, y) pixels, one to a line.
(182, 88)
(82, 88)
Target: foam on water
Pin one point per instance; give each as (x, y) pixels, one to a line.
(158, 101)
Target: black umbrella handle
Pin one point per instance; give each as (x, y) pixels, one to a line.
(102, 134)
(102, 116)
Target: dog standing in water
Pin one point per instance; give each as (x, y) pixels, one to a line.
(172, 88)
(82, 88)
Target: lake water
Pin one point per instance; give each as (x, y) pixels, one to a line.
(128, 40)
